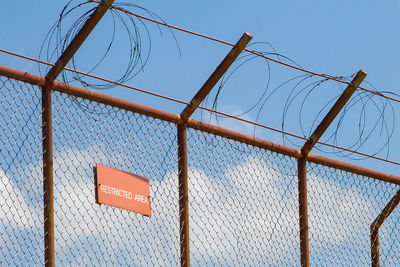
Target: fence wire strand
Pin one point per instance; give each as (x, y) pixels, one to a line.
(243, 204)
(87, 232)
(342, 207)
(243, 200)
(21, 197)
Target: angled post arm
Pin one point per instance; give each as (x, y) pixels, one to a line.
(387, 210)
(47, 124)
(182, 144)
(302, 163)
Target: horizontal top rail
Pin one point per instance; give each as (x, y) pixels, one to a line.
(204, 108)
(174, 118)
(90, 95)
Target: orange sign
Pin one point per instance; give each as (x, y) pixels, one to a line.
(122, 190)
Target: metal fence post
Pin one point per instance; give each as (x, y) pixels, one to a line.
(377, 224)
(182, 142)
(48, 199)
(303, 211)
(302, 163)
(183, 196)
(48, 196)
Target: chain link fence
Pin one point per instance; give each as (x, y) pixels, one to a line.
(243, 200)
(389, 235)
(342, 207)
(86, 134)
(243, 204)
(21, 193)
(21, 197)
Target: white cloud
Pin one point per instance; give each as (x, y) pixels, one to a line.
(250, 218)
(342, 207)
(21, 220)
(15, 211)
(107, 229)
(247, 210)
(232, 124)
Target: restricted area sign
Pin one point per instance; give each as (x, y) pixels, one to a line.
(122, 190)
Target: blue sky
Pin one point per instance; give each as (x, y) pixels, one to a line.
(336, 38)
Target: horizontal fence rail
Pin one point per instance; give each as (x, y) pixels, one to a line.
(243, 191)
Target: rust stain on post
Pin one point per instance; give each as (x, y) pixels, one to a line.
(375, 247)
(303, 212)
(182, 143)
(48, 195)
(48, 184)
(216, 75)
(183, 196)
(302, 163)
(377, 224)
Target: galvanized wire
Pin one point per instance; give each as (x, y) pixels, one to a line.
(342, 207)
(389, 234)
(243, 200)
(243, 204)
(21, 197)
(86, 134)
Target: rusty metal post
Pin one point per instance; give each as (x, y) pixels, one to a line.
(377, 224)
(333, 112)
(78, 40)
(216, 75)
(302, 163)
(183, 196)
(375, 247)
(48, 199)
(182, 143)
(48, 184)
(303, 211)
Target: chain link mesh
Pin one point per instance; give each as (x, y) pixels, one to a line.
(86, 133)
(342, 207)
(243, 200)
(389, 239)
(243, 204)
(21, 197)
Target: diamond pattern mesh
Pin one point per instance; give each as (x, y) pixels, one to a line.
(21, 193)
(243, 200)
(86, 133)
(342, 207)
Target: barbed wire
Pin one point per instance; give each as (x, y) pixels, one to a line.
(305, 96)
(222, 114)
(293, 66)
(248, 56)
(363, 136)
(125, 27)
